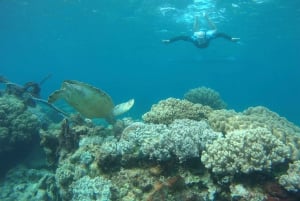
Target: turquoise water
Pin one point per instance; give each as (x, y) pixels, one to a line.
(116, 46)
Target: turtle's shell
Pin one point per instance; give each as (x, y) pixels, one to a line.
(89, 101)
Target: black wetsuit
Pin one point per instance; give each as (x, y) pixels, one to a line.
(203, 40)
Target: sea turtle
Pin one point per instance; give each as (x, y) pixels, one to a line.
(89, 101)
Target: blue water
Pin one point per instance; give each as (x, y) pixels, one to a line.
(116, 46)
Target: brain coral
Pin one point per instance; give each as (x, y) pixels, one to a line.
(17, 124)
(205, 96)
(244, 151)
(258, 117)
(166, 111)
(291, 180)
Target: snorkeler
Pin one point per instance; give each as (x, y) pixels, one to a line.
(200, 38)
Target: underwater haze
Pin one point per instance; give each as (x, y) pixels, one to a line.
(116, 45)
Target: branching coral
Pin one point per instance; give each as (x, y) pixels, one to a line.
(183, 138)
(90, 189)
(166, 111)
(226, 121)
(291, 180)
(245, 151)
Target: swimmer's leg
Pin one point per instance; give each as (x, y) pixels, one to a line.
(196, 26)
(210, 23)
(227, 37)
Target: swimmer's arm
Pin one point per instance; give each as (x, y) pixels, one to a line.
(178, 38)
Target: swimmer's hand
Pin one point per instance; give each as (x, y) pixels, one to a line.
(165, 41)
(235, 39)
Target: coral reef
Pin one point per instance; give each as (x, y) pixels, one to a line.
(183, 139)
(160, 190)
(274, 192)
(59, 142)
(139, 184)
(98, 155)
(182, 151)
(28, 184)
(205, 96)
(240, 192)
(291, 180)
(245, 151)
(166, 111)
(90, 189)
(64, 176)
(61, 139)
(258, 117)
(17, 125)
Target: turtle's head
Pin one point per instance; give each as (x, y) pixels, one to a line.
(55, 95)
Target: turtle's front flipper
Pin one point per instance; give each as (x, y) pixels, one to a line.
(123, 107)
(55, 96)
